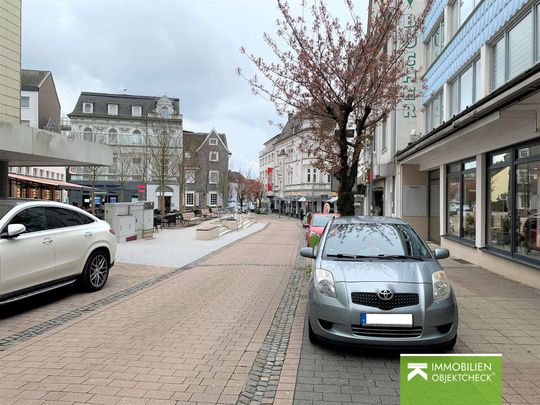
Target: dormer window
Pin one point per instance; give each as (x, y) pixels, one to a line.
(213, 141)
(88, 108)
(136, 111)
(112, 109)
(165, 112)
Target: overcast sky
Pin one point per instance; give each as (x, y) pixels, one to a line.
(182, 48)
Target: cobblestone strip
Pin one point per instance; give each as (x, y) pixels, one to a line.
(39, 329)
(262, 381)
(43, 327)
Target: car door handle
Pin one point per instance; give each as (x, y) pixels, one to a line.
(88, 234)
(47, 241)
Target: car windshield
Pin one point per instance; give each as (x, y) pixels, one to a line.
(4, 209)
(320, 221)
(357, 240)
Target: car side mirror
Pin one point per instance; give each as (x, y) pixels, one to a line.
(14, 230)
(307, 252)
(306, 225)
(441, 253)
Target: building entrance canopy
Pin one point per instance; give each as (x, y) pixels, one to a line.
(25, 146)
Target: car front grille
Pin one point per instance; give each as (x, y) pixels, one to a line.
(386, 331)
(399, 300)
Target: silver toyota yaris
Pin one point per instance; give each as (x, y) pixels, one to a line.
(375, 282)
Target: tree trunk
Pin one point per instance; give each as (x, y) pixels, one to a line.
(345, 201)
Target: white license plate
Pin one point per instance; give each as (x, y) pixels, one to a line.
(403, 320)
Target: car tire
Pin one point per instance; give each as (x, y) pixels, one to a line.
(96, 271)
(312, 336)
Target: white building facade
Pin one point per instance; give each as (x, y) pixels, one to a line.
(472, 181)
(293, 185)
(137, 127)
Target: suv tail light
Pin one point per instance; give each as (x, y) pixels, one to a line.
(111, 231)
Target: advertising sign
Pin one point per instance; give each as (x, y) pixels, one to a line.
(269, 172)
(465, 379)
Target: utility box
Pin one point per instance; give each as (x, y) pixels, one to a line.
(148, 219)
(136, 210)
(121, 221)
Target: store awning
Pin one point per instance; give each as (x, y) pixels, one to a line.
(63, 185)
(332, 200)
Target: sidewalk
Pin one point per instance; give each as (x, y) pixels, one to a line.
(496, 316)
(179, 246)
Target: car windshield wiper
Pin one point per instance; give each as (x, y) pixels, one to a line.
(342, 256)
(402, 257)
(377, 257)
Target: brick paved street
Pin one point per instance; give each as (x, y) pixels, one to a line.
(192, 337)
(230, 328)
(496, 316)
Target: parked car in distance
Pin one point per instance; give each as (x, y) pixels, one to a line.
(46, 245)
(376, 283)
(316, 225)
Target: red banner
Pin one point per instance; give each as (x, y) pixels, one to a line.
(269, 173)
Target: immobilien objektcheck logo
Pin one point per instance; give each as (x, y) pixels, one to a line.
(463, 379)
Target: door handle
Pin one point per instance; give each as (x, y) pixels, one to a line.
(47, 241)
(88, 234)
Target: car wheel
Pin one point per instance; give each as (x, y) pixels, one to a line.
(312, 336)
(96, 271)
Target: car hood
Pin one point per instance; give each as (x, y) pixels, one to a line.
(392, 271)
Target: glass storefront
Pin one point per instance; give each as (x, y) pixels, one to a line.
(461, 200)
(513, 180)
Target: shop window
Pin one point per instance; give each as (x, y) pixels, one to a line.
(513, 204)
(461, 200)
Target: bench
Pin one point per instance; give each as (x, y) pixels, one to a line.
(208, 232)
(189, 218)
(207, 214)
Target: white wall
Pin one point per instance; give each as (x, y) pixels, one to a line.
(31, 113)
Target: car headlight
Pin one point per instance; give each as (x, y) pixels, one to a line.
(441, 285)
(324, 283)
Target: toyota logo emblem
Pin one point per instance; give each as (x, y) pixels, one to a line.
(385, 295)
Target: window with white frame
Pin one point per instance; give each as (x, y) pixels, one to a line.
(25, 102)
(190, 176)
(514, 52)
(213, 141)
(213, 199)
(214, 156)
(213, 177)
(434, 111)
(112, 109)
(190, 198)
(308, 175)
(383, 135)
(88, 108)
(113, 136)
(465, 89)
(314, 175)
(87, 134)
(460, 11)
(435, 43)
(136, 110)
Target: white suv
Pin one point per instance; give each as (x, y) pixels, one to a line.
(46, 245)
